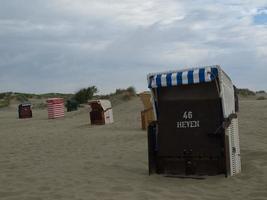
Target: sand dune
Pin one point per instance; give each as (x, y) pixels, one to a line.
(69, 159)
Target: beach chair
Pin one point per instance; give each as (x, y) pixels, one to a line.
(195, 131)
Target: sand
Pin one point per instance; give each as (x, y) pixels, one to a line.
(69, 159)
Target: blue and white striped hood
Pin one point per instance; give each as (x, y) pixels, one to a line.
(183, 77)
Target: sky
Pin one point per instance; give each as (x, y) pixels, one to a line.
(64, 45)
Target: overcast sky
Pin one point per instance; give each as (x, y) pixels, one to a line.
(63, 45)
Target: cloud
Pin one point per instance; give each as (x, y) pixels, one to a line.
(50, 46)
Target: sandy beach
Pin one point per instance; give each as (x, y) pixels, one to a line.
(68, 159)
